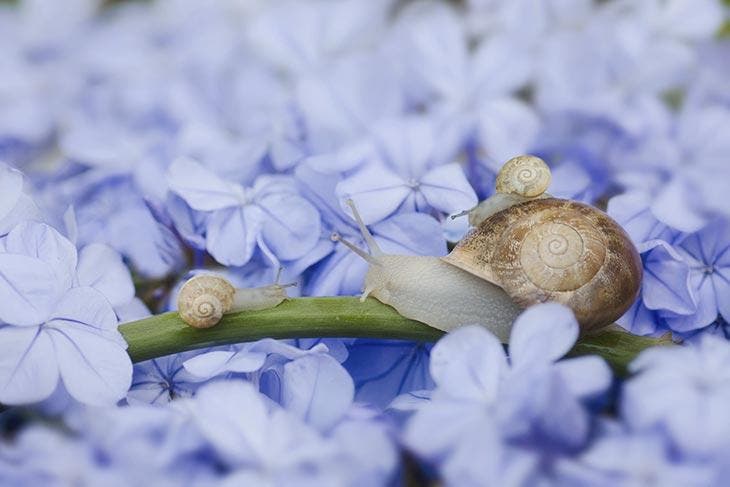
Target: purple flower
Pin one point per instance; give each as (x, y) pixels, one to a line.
(665, 290)
(261, 443)
(161, 380)
(471, 90)
(693, 192)
(341, 272)
(410, 169)
(618, 458)
(529, 398)
(15, 203)
(309, 383)
(270, 213)
(682, 392)
(54, 328)
(707, 254)
(383, 369)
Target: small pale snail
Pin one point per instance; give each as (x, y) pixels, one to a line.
(532, 251)
(205, 298)
(521, 179)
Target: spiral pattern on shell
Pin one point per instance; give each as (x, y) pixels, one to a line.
(204, 299)
(526, 176)
(556, 250)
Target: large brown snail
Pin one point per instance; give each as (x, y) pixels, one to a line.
(527, 248)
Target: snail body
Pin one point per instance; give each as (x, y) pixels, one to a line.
(454, 297)
(205, 298)
(431, 290)
(527, 248)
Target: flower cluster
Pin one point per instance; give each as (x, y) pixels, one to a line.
(142, 142)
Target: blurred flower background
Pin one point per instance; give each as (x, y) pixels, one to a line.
(143, 141)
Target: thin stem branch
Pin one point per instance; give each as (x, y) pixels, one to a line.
(342, 317)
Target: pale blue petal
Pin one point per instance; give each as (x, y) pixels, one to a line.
(28, 290)
(92, 359)
(376, 190)
(585, 377)
(432, 51)
(506, 127)
(666, 282)
(383, 369)
(200, 187)
(102, 268)
(410, 234)
(500, 66)
(291, 225)
(45, 243)
(447, 190)
(218, 413)
(674, 207)
(468, 364)
(542, 333)
(632, 211)
(318, 389)
(214, 363)
(426, 433)
(85, 306)
(95, 370)
(232, 233)
(28, 369)
(11, 187)
(639, 319)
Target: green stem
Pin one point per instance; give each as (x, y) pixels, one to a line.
(343, 317)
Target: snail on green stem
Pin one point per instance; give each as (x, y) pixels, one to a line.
(526, 249)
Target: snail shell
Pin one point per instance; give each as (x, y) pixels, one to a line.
(204, 299)
(556, 250)
(526, 176)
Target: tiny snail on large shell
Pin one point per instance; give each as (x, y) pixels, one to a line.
(205, 298)
(527, 248)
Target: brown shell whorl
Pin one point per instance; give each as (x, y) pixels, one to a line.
(556, 250)
(204, 299)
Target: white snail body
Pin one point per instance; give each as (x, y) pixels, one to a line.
(432, 291)
(205, 298)
(454, 297)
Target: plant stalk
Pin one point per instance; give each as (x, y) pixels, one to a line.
(340, 317)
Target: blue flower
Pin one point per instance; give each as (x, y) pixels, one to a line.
(384, 369)
(309, 383)
(15, 203)
(471, 90)
(528, 398)
(161, 380)
(682, 392)
(341, 272)
(53, 328)
(263, 444)
(694, 192)
(409, 170)
(665, 290)
(270, 213)
(621, 458)
(707, 254)
(110, 209)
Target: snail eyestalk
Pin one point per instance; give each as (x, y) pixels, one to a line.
(335, 237)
